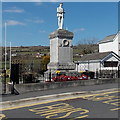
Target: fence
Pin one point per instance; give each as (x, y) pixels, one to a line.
(108, 74)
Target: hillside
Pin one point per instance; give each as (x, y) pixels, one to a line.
(35, 51)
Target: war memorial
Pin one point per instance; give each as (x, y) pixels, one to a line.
(61, 51)
(61, 61)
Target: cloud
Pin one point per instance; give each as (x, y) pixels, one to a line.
(78, 30)
(14, 23)
(38, 21)
(14, 10)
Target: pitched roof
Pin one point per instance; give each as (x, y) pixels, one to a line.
(95, 56)
(108, 38)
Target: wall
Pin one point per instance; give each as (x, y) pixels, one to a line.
(119, 43)
(95, 65)
(89, 66)
(22, 88)
(110, 46)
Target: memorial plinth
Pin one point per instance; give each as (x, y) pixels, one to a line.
(61, 51)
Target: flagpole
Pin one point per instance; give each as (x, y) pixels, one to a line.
(5, 64)
(5, 46)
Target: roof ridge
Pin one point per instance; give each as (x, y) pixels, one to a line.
(111, 35)
(95, 56)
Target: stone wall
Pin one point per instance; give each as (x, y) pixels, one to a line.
(22, 88)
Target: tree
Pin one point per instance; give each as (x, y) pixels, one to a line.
(45, 61)
(88, 46)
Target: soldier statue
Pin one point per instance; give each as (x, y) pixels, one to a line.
(60, 15)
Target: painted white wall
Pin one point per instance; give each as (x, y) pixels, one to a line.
(95, 65)
(88, 66)
(112, 59)
(111, 46)
(119, 44)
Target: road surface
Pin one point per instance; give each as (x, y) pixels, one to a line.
(102, 103)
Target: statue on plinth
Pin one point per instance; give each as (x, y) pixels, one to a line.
(60, 15)
(61, 51)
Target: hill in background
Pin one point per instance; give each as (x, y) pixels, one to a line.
(38, 51)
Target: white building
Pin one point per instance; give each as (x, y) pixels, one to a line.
(98, 61)
(105, 63)
(108, 58)
(110, 43)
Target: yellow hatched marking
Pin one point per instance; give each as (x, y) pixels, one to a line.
(57, 109)
(116, 103)
(99, 97)
(111, 92)
(109, 101)
(89, 97)
(68, 112)
(45, 108)
(82, 116)
(106, 98)
(115, 109)
(2, 116)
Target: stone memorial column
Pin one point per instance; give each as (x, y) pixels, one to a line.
(61, 51)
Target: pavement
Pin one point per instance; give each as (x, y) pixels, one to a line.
(11, 97)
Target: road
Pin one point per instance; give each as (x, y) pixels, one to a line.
(99, 104)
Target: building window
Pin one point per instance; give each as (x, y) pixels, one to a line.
(110, 63)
